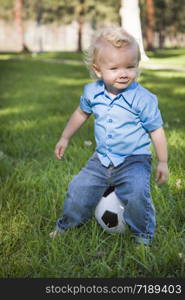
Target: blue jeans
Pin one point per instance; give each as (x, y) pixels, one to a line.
(131, 180)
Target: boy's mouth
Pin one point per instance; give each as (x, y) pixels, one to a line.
(122, 82)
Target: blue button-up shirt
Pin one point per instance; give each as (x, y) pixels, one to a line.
(121, 123)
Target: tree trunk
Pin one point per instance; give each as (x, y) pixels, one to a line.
(161, 39)
(130, 20)
(162, 31)
(149, 25)
(18, 7)
(80, 29)
(19, 23)
(81, 21)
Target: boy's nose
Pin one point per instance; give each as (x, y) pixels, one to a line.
(123, 74)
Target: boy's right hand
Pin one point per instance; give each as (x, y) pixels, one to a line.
(61, 147)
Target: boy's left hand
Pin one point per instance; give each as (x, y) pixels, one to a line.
(161, 172)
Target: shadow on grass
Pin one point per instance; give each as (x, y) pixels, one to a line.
(166, 53)
(37, 99)
(43, 55)
(169, 88)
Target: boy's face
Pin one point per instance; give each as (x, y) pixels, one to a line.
(117, 67)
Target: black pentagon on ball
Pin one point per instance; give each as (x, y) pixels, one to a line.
(108, 191)
(110, 219)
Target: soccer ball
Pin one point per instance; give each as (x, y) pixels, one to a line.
(109, 213)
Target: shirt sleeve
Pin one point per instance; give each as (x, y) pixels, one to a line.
(149, 113)
(85, 105)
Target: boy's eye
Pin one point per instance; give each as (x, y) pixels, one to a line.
(131, 67)
(113, 68)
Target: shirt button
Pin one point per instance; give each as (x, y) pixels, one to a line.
(110, 120)
(110, 150)
(109, 136)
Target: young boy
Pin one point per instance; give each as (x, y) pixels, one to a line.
(126, 115)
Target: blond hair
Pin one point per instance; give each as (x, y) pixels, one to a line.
(117, 36)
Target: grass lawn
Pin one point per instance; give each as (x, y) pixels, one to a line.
(173, 57)
(36, 100)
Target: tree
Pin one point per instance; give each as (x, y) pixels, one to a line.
(130, 20)
(169, 19)
(149, 25)
(6, 9)
(63, 11)
(160, 24)
(18, 9)
(81, 10)
(13, 10)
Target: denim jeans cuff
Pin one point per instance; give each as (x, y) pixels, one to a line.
(59, 230)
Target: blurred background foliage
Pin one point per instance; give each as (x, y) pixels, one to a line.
(164, 17)
(63, 11)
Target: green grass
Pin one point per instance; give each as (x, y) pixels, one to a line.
(37, 99)
(167, 57)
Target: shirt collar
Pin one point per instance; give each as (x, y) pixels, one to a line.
(128, 93)
(100, 88)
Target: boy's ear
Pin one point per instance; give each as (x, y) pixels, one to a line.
(96, 70)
